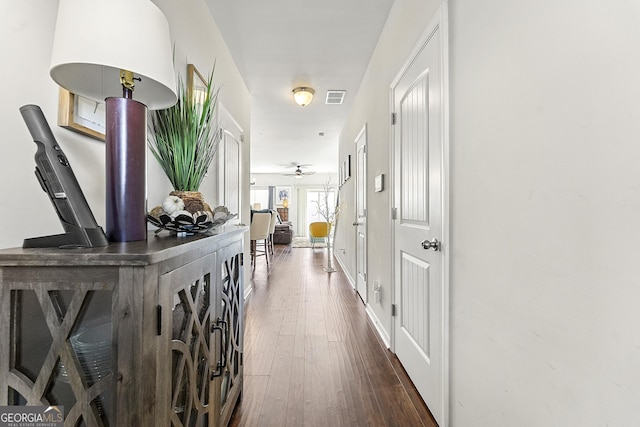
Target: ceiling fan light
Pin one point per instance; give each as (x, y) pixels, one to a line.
(303, 95)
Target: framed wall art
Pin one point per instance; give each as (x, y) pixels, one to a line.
(283, 196)
(345, 169)
(81, 114)
(196, 83)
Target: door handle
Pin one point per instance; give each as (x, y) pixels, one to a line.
(219, 365)
(355, 224)
(225, 342)
(431, 244)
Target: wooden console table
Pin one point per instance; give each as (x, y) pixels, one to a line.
(143, 333)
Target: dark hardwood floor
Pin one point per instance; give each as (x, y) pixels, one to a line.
(312, 357)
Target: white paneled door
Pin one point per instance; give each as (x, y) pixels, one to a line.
(418, 96)
(226, 165)
(361, 214)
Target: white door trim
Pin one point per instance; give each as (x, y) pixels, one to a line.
(230, 126)
(440, 20)
(362, 134)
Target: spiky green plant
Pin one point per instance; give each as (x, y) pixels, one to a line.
(184, 138)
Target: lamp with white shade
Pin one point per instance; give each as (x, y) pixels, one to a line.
(131, 58)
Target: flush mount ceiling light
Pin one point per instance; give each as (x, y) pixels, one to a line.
(303, 95)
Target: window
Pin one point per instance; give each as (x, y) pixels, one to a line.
(259, 196)
(316, 202)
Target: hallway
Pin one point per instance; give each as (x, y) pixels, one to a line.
(312, 357)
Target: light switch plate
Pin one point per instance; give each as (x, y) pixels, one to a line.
(379, 183)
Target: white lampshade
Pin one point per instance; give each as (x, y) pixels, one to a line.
(303, 95)
(95, 39)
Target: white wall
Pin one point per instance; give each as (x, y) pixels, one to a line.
(406, 22)
(545, 205)
(25, 209)
(545, 210)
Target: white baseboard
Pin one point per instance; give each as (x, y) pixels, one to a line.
(378, 325)
(352, 282)
(384, 335)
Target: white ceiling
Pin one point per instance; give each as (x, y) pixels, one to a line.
(281, 44)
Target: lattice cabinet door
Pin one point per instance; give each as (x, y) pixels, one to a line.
(229, 318)
(188, 354)
(58, 346)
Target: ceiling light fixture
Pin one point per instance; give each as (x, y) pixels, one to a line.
(303, 95)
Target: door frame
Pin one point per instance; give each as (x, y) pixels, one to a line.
(361, 134)
(230, 126)
(440, 19)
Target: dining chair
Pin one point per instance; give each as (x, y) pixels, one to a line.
(259, 235)
(272, 229)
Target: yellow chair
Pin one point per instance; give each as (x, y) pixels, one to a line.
(318, 230)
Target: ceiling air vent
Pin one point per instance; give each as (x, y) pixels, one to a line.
(335, 96)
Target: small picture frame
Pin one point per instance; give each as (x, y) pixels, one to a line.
(196, 83)
(345, 170)
(81, 115)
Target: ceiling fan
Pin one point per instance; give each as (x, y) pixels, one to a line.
(298, 172)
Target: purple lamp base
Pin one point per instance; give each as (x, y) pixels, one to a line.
(126, 170)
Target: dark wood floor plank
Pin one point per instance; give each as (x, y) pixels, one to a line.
(295, 406)
(298, 345)
(412, 392)
(293, 314)
(247, 412)
(259, 356)
(334, 307)
(320, 402)
(276, 399)
(391, 395)
(312, 356)
(314, 311)
(355, 396)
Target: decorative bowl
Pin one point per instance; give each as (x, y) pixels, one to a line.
(185, 222)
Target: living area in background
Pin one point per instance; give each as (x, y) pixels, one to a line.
(297, 207)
